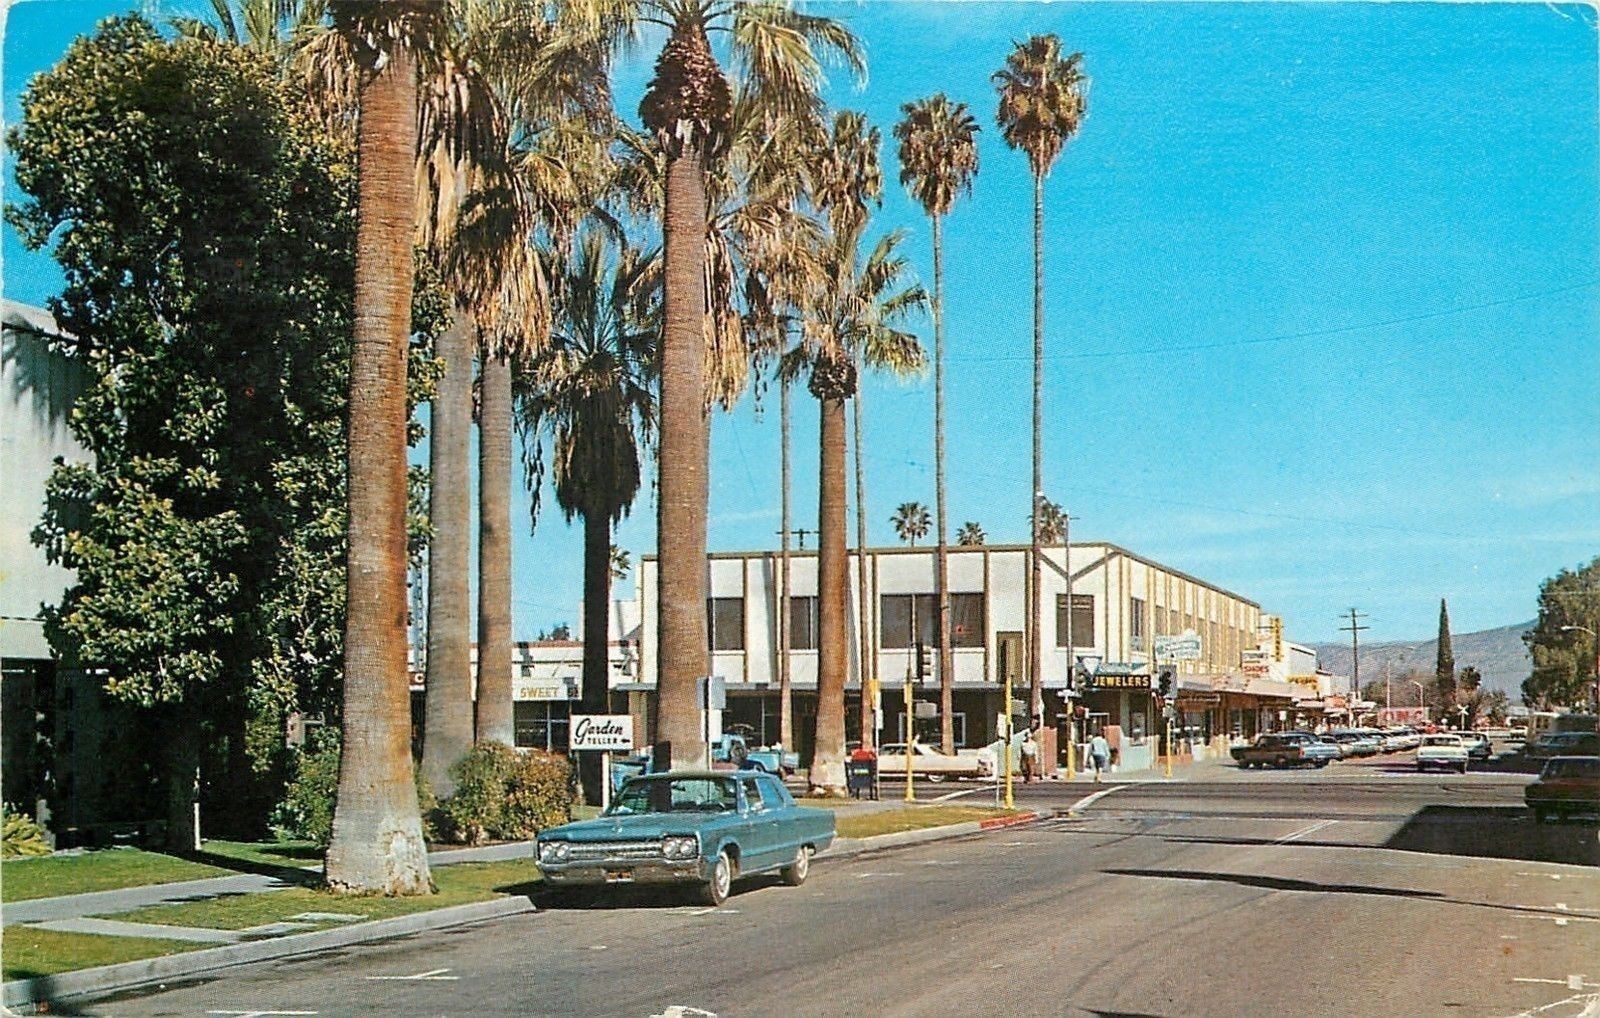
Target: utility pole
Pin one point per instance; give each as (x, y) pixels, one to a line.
(1354, 629)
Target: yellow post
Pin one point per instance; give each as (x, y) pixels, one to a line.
(911, 734)
(1169, 747)
(1006, 744)
(1072, 737)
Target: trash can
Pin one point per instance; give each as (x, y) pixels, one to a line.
(861, 774)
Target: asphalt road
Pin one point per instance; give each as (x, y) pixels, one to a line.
(1363, 889)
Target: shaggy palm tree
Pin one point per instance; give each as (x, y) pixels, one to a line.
(1042, 103)
(971, 534)
(688, 108)
(1050, 520)
(587, 402)
(377, 841)
(621, 564)
(938, 159)
(911, 522)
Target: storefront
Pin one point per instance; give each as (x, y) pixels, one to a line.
(542, 702)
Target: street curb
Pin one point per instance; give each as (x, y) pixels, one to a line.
(847, 848)
(130, 975)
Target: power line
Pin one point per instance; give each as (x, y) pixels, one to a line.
(1354, 629)
(1289, 337)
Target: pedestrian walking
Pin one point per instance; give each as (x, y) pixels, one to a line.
(1100, 753)
(1030, 758)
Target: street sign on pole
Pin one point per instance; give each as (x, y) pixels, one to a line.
(603, 732)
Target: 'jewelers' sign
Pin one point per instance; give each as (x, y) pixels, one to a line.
(602, 731)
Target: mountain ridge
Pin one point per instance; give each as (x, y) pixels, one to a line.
(1499, 655)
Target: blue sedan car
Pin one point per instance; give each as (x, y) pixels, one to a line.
(705, 828)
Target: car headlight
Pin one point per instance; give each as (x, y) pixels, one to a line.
(554, 851)
(680, 846)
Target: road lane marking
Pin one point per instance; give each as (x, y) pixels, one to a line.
(963, 791)
(863, 876)
(1092, 798)
(260, 1014)
(1302, 832)
(680, 1011)
(431, 975)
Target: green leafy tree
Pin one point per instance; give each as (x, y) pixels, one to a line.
(1561, 641)
(205, 230)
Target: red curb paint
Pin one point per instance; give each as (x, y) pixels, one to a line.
(997, 822)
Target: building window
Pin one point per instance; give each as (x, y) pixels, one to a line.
(1136, 622)
(894, 620)
(725, 618)
(540, 724)
(802, 623)
(966, 620)
(1082, 620)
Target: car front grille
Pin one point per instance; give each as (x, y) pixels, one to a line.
(616, 851)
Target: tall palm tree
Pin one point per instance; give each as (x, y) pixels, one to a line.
(971, 534)
(377, 841)
(938, 159)
(1043, 96)
(863, 594)
(785, 683)
(852, 321)
(688, 108)
(911, 521)
(589, 397)
(1051, 522)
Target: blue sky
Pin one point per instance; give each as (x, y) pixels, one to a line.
(1322, 283)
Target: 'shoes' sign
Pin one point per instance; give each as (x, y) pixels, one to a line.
(602, 731)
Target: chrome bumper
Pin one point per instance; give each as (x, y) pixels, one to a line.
(651, 871)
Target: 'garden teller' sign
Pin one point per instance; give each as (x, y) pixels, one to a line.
(602, 731)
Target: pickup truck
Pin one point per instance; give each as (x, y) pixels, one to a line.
(736, 748)
(1290, 749)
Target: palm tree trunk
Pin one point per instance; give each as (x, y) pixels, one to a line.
(447, 731)
(947, 664)
(785, 691)
(833, 646)
(1035, 637)
(596, 639)
(494, 711)
(863, 595)
(377, 844)
(683, 648)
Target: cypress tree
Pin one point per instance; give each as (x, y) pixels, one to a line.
(1445, 666)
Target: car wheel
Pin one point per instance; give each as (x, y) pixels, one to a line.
(935, 778)
(715, 891)
(1463, 768)
(1322, 763)
(795, 873)
(1280, 761)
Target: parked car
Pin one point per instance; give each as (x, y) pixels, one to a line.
(1553, 744)
(1567, 784)
(1286, 749)
(1444, 751)
(704, 828)
(1359, 743)
(929, 763)
(1478, 746)
(1345, 747)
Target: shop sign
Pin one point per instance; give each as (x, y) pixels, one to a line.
(1187, 700)
(1101, 680)
(602, 731)
(544, 689)
(1257, 669)
(1183, 647)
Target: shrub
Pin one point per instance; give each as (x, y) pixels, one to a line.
(20, 836)
(306, 812)
(506, 795)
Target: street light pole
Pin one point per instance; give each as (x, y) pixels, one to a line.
(1420, 696)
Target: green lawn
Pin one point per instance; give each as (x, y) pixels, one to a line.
(102, 870)
(913, 818)
(29, 952)
(298, 854)
(459, 884)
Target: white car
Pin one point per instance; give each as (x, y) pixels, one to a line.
(927, 762)
(1445, 751)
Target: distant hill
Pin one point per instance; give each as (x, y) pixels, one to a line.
(1499, 654)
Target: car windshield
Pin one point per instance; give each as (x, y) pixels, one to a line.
(675, 795)
(1573, 767)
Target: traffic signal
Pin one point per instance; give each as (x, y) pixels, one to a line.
(1164, 684)
(924, 661)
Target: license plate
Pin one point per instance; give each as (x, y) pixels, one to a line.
(619, 876)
